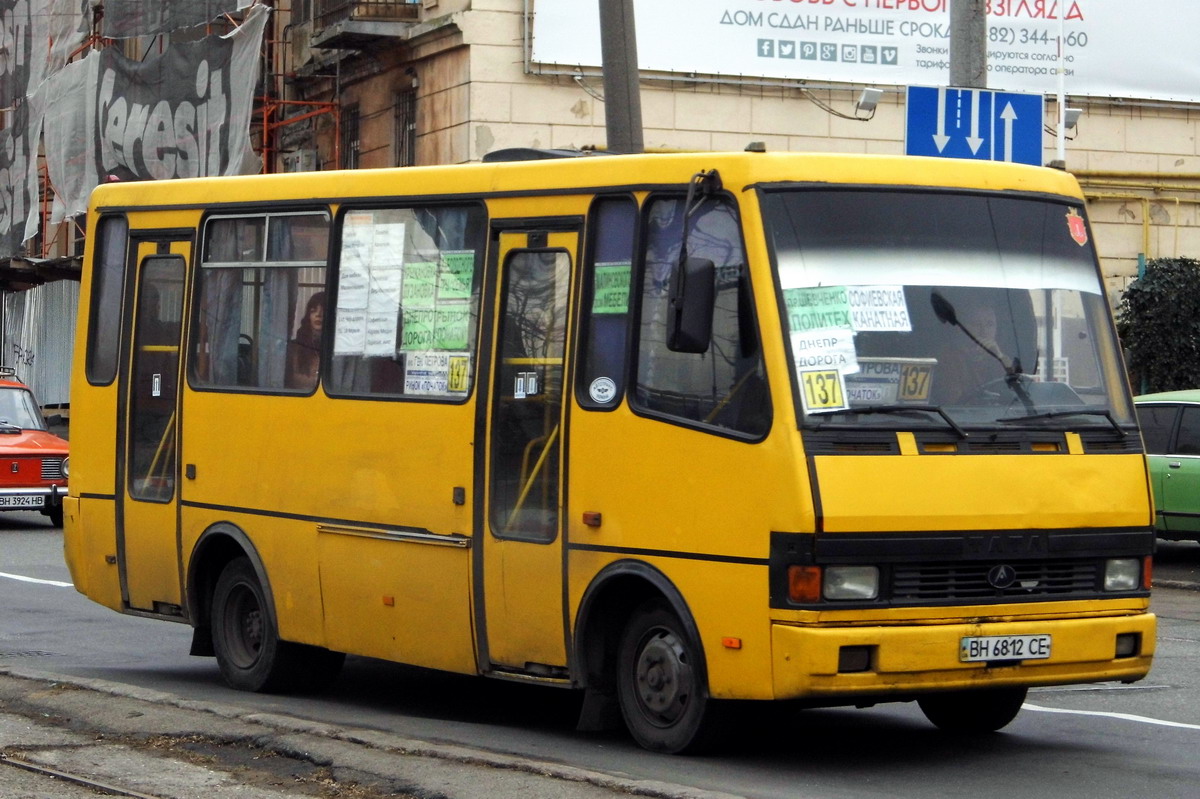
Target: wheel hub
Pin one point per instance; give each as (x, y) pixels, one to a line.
(664, 677)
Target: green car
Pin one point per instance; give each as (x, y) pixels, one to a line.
(1170, 424)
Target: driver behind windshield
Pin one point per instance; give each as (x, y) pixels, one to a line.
(971, 356)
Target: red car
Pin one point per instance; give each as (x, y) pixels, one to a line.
(33, 461)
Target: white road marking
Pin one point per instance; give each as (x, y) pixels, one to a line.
(24, 579)
(1121, 716)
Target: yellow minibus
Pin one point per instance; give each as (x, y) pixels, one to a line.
(669, 430)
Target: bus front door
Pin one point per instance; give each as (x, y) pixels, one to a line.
(524, 627)
(147, 521)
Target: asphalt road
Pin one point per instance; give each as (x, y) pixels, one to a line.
(1081, 741)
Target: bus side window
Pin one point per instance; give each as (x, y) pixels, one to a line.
(108, 284)
(260, 278)
(609, 266)
(724, 387)
(406, 316)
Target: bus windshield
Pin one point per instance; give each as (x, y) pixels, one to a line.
(912, 309)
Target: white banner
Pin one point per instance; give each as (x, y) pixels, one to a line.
(19, 178)
(24, 43)
(183, 113)
(1114, 48)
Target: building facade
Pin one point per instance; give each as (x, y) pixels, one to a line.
(447, 81)
(393, 83)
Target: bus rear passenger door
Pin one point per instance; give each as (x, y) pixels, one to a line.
(524, 626)
(148, 540)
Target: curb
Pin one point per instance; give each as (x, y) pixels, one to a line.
(380, 741)
(1185, 585)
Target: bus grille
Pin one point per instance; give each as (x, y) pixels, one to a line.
(946, 581)
(52, 469)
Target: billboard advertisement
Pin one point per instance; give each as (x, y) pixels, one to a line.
(1113, 48)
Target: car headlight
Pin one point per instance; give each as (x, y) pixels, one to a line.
(851, 582)
(66, 467)
(1122, 574)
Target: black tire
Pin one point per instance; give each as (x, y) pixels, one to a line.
(55, 514)
(973, 712)
(249, 653)
(660, 683)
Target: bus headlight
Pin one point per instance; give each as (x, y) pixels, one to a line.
(1122, 574)
(851, 582)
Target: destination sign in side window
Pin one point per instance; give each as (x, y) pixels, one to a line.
(406, 315)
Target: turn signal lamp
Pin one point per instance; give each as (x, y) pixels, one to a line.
(804, 584)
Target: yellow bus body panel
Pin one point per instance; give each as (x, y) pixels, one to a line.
(388, 464)
(912, 658)
(981, 492)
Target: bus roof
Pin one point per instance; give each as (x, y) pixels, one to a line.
(738, 171)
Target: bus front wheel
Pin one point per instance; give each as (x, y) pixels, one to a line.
(979, 711)
(659, 684)
(249, 653)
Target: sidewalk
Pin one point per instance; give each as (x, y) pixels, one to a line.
(147, 743)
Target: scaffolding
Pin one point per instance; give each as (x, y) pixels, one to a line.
(56, 250)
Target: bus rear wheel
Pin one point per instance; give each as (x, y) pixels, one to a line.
(659, 684)
(976, 712)
(249, 653)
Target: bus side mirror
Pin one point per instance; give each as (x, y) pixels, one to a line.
(692, 297)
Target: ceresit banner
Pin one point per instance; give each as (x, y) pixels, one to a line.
(178, 114)
(1112, 48)
(24, 36)
(18, 179)
(125, 19)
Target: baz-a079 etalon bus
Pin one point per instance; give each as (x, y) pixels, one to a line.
(667, 429)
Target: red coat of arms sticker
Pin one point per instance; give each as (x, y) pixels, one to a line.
(1077, 227)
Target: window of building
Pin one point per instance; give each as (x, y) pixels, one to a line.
(407, 309)
(406, 128)
(351, 142)
(724, 387)
(261, 308)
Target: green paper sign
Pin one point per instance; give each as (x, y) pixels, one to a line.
(611, 290)
(816, 308)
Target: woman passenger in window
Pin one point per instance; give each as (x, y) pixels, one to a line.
(304, 351)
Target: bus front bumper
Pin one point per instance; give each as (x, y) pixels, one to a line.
(825, 662)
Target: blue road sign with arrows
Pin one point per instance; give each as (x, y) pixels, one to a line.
(974, 123)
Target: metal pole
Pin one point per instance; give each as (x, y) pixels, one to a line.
(622, 100)
(1061, 135)
(968, 44)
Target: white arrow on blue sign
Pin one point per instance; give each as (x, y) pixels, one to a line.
(974, 123)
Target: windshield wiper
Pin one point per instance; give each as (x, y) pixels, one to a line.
(900, 409)
(8, 427)
(1055, 414)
